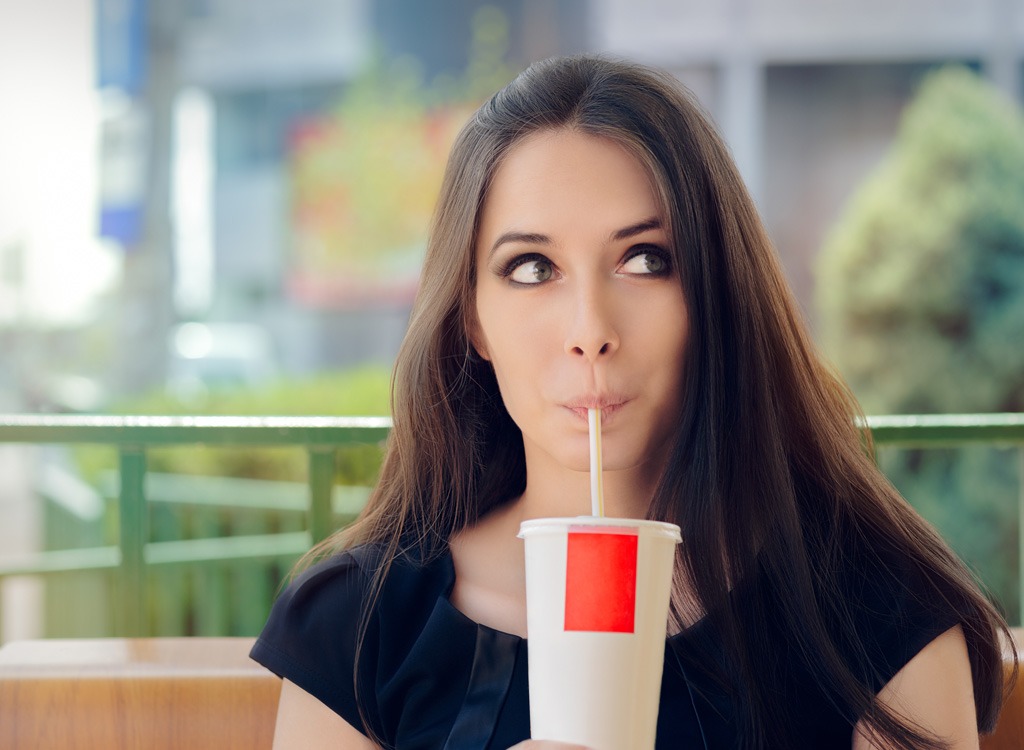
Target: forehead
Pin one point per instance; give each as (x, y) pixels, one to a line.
(559, 178)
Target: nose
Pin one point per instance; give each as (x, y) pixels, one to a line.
(592, 333)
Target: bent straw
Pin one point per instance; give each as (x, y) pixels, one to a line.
(596, 483)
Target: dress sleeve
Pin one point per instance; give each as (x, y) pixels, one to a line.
(899, 614)
(312, 636)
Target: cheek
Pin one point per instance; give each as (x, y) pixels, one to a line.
(512, 331)
(663, 330)
(514, 364)
(516, 355)
(677, 336)
(495, 341)
(669, 346)
(515, 389)
(681, 348)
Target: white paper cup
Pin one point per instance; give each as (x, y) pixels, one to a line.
(597, 595)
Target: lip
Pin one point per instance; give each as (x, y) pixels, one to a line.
(608, 405)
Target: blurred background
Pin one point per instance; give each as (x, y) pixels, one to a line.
(220, 207)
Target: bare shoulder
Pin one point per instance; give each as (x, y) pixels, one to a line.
(305, 722)
(934, 690)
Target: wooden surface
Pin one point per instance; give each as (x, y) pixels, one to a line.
(1009, 734)
(151, 693)
(196, 693)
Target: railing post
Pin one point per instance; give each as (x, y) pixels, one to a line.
(133, 528)
(321, 486)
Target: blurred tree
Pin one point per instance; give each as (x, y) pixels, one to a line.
(921, 296)
(365, 180)
(363, 391)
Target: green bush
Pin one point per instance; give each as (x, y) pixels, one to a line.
(358, 392)
(921, 300)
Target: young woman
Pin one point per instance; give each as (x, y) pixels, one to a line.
(594, 246)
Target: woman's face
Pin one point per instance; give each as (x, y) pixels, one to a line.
(577, 302)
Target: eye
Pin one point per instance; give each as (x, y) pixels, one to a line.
(528, 270)
(650, 260)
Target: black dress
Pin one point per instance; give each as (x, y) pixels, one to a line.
(429, 677)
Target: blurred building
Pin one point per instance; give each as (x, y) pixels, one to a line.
(234, 80)
(808, 95)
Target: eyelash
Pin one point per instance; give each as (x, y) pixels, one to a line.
(660, 252)
(507, 268)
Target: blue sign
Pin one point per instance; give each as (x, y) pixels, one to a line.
(121, 223)
(121, 45)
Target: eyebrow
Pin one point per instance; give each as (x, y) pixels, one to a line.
(639, 228)
(527, 238)
(534, 238)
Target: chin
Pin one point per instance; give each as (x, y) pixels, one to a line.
(577, 463)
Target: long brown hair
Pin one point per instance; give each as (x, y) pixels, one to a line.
(768, 476)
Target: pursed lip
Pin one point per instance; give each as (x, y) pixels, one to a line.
(608, 405)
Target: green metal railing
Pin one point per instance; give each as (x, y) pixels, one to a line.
(928, 431)
(320, 437)
(133, 436)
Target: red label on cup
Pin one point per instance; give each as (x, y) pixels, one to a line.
(600, 580)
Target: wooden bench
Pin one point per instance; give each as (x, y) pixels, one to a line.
(151, 693)
(195, 693)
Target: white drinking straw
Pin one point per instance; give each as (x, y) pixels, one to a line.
(596, 484)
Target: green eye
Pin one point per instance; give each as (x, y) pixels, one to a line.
(655, 263)
(650, 262)
(531, 272)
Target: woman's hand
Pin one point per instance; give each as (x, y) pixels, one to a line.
(546, 745)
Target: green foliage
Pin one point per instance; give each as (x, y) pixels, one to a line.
(921, 285)
(921, 297)
(358, 392)
(364, 180)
